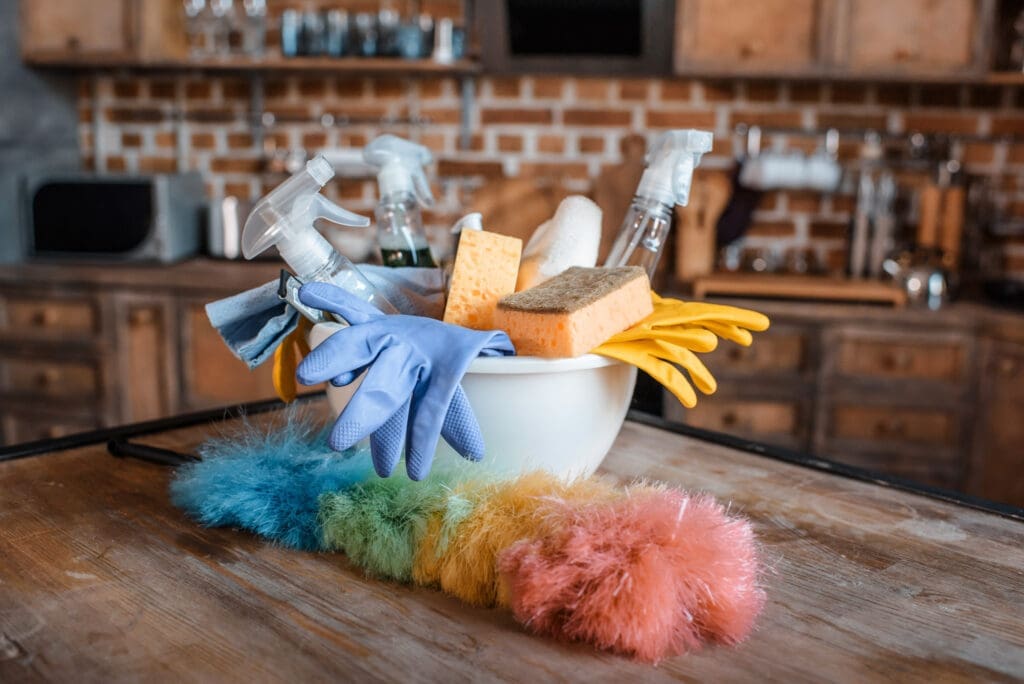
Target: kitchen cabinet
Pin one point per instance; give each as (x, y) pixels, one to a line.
(918, 395)
(83, 347)
(997, 459)
(769, 35)
(61, 32)
(917, 36)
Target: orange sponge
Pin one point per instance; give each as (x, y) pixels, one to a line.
(575, 311)
(486, 267)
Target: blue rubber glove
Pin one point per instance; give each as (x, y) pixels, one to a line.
(411, 390)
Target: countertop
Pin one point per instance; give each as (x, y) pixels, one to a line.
(203, 274)
(103, 579)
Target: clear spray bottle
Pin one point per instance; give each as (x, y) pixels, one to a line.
(665, 183)
(403, 189)
(285, 218)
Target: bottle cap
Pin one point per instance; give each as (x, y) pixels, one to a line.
(670, 165)
(400, 167)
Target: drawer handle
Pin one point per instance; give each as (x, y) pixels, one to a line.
(891, 427)
(749, 49)
(729, 419)
(905, 55)
(47, 378)
(44, 318)
(897, 361)
(735, 354)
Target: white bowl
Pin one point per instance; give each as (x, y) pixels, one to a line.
(560, 415)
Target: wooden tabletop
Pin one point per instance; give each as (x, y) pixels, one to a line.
(102, 579)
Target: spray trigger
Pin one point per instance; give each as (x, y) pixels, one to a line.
(324, 208)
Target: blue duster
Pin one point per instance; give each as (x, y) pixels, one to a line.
(269, 481)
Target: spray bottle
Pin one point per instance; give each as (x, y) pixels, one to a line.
(666, 182)
(403, 188)
(285, 218)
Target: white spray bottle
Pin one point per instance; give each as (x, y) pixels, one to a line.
(285, 218)
(403, 189)
(665, 183)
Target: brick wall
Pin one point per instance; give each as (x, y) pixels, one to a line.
(562, 129)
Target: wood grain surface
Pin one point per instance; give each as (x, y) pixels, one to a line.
(101, 579)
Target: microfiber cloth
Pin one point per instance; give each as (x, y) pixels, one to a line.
(253, 323)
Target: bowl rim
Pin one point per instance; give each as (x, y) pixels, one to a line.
(515, 365)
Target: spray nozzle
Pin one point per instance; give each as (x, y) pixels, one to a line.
(399, 165)
(285, 218)
(670, 165)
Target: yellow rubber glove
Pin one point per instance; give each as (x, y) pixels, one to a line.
(286, 359)
(670, 336)
(659, 359)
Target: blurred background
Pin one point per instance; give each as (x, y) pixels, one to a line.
(866, 190)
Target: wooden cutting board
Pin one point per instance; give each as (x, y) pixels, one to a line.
(516, 206)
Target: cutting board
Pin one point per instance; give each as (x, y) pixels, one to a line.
(696, 224)
(516, 206)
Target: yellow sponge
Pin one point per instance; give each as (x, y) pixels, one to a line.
(485, 270)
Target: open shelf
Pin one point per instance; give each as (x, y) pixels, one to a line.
(270, 63)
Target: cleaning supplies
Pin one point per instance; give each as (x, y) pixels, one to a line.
(572, 237)
(485, 270)
(666, 182)
(285, 218)
(403, 188)
(575, 311)
(413, 367)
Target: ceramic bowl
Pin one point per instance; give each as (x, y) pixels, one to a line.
(560, 415)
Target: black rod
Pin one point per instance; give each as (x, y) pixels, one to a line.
(834, 467)
(43, 446)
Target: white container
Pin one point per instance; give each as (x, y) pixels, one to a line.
(560, 415)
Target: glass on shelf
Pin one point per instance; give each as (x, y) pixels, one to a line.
(336, 33)
(364, 41)
(291, 22)
(195, 28)
(222, 25)
(311, 34)
(254, 28)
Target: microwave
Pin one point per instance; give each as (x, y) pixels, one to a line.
(144, 217)
(600, 37)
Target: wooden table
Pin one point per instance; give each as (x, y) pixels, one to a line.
(102, 579)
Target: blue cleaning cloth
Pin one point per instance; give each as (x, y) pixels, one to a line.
(255, 322)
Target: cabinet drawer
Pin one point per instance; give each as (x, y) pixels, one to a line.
(777, 352)
(754, 36)
(35, 378)
(889, 424)
(18, 428)
(910, 35)
(746, 417)
(29, 319)
(901, 358)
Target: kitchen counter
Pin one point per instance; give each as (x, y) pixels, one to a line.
(102, 578)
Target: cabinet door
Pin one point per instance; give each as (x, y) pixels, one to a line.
(882, 36)
(767, 35)
(146, 346)
(997, 462)
(211, 375)
(57, 29)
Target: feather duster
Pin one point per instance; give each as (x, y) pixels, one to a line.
(381, 523)
(650, 575)
(268, 480)
(492, 517)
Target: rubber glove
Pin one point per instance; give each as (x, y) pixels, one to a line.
(671, 334)
(410, 392)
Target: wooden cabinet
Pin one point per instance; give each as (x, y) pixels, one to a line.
(768, 35)
(859, 38)
(81, 349)
(997, 461)
(211, 376)
(918, 36)
(62, 31)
